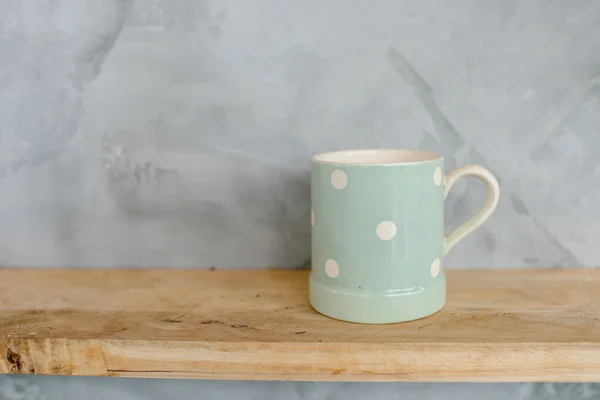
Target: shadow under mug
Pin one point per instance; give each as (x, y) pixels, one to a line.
(378, 239)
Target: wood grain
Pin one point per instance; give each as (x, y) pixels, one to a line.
(498, 325)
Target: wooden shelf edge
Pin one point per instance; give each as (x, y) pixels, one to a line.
(535, 362)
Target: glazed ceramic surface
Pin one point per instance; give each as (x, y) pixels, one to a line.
(378, 239)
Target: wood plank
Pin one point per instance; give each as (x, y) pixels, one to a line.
(498, 325)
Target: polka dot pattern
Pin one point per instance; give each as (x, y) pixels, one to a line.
(386, 230)
(339, 179)
(437, 176)
(332, 269)
(435, 267)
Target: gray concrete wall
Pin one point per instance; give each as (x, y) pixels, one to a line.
(177, 132)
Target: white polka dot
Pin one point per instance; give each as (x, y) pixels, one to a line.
(332, 268)
(386, 230)
(435, 267)
(437, 176)
(312, 217)
(339, 179)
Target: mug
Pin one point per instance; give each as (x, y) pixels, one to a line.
(378, 239)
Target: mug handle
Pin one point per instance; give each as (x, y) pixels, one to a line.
(493, 195)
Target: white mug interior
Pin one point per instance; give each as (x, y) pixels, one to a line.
(376, 157)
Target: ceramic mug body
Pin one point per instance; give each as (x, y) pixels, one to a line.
(378, 233)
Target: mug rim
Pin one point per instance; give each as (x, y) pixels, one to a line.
(374, 157)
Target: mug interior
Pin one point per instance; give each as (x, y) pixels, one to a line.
(376, 157)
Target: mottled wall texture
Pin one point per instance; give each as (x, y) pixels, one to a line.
(176, 133)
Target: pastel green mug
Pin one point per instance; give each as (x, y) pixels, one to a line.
(378, 232)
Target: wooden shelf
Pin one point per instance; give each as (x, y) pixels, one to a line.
(498, 325)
